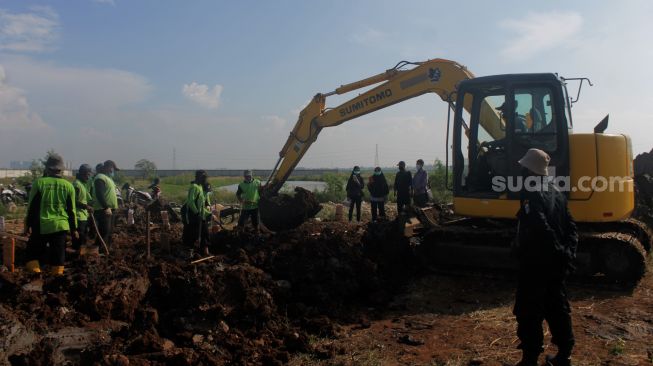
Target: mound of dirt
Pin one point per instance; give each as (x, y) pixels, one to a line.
(643, 163)
(285, 212)
(255, 304)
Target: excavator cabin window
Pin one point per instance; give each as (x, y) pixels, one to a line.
(534, 123)
(487, 140)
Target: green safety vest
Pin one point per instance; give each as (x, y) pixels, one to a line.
(197, 200)
(109, 195)
(55, 192)
(250, 193)
(83, 197)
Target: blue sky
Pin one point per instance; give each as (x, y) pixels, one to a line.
(223, 82)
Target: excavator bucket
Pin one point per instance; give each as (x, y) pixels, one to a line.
(284, 212)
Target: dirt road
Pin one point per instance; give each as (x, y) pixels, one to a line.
(467, 320)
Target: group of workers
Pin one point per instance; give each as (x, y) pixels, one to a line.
(545, 245)
(57, 207)
(197, 214)
(407, 188)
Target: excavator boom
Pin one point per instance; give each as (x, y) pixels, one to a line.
(437, 76)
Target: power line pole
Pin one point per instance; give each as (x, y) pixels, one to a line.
(376, 156)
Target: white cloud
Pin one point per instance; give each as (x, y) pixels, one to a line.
(19, 124)
(90, 89)
(15, 111)
(202, 95)
(537, 33)
(34, 31)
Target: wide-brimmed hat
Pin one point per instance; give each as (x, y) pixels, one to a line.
(55, 163)
(536, 160)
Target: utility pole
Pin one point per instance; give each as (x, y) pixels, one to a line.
(174, 158)
(376, 156)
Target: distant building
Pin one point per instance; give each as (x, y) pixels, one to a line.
(20, 164)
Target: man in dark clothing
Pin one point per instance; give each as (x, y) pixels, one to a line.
(378, 187)
(420, 185)
(546, 247)
(354, 189)
(105, 201)
(50, 214)
(403, 186)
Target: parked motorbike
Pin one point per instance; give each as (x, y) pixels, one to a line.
(132, 196)
(6, 195)
(20, 196)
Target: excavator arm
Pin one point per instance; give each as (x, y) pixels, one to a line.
(437, 76)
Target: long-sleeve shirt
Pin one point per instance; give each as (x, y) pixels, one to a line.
(420, 182)
(403, 183)
(51, 206)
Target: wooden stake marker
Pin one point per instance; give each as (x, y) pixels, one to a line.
(148, 238)
(8, 252)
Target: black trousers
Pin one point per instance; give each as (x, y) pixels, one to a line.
(105, 227)
(82, 229)
(403, 200)
(421, 199)
(540, 297)
(355, 202)
(196, 229)
(378, 209)
(47, 248)
(245, 214)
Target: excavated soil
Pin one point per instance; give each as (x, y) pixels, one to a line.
(643, 163)
(285, 212)
(258, 302)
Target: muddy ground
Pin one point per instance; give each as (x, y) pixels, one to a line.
(325, 293)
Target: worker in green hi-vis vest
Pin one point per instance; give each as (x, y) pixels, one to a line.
(248, 195)
(50, 214)
(196, 213)
(105, 201)
(82, 204)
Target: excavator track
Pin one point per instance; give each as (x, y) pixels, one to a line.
(608, 253)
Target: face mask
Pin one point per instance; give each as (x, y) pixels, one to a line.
(377, 173)
(112, 174)
(357, 172)
(419, 167)
(248, 179)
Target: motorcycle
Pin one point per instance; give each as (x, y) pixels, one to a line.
(132, 196)
(6, 195)
(20, 196)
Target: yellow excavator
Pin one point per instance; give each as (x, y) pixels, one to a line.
(496, 120)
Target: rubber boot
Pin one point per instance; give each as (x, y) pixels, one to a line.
(33, 266)
(57, 270)
(558, 360)
(529, 359)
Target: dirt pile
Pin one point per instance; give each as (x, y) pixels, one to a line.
(255, 304)
(285, 212)
(643, 163)
(644, 198)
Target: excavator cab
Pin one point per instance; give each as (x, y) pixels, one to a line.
(506, 115)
